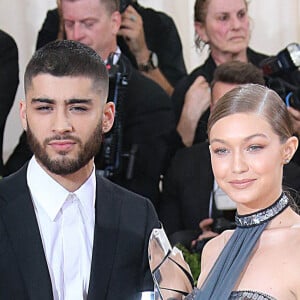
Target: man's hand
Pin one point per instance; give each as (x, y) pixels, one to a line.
(295, 117)
(207, 233)
(133, 32)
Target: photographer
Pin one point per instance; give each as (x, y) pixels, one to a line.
(152, 38)
(190, 193)
(147, 37)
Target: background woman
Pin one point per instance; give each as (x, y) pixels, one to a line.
(224, 26)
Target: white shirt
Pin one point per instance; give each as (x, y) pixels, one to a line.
(49, 200)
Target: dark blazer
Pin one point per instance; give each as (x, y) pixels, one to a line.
(188, 184)
(9, 80)
(120, 267)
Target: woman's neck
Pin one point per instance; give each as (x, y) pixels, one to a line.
(221, 57)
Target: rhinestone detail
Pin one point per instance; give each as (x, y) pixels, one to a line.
(263, 215)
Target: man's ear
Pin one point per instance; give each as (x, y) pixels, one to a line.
(289, 149)
(22, 112)
(201, 31)
(116, 20)
(108, 116)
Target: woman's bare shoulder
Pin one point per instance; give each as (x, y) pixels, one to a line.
(210, 253)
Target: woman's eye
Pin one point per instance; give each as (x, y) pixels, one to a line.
(221, 151)
(223, 17)
(242, 14)
(253, 148)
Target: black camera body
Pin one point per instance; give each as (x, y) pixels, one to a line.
(282, 74)
(124, 4)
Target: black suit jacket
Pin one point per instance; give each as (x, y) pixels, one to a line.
(9, 80)
(120, 267)
(188, 184)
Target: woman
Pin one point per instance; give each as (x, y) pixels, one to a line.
(261, 258)
(223, 25)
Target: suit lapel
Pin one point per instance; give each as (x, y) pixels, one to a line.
(19, 218)
(106, 235)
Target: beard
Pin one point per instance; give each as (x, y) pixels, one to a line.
(65, 165)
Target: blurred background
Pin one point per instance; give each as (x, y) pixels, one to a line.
(275, 24)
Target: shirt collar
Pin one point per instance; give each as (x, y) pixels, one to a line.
(49, 195)
(116, 56)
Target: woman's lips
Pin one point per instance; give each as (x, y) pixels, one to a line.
(241, 184)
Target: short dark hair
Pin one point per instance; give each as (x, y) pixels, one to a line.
(68, 58)
(237, 72)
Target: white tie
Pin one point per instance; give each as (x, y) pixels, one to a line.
(71, 224)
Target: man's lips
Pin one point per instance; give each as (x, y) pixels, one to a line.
(241, 184)
(62, 145)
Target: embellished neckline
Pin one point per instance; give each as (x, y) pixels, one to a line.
(263, 215)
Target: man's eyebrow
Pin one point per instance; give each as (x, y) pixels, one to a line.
(69, 101)
(78, 100)
(42, 100)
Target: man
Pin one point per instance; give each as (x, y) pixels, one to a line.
(147, 37)
(9, 80)
(189, 187)
(66, 232)
(146, 114)
(151, 40)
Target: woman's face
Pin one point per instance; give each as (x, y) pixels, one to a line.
(226, 27)
(247, 160)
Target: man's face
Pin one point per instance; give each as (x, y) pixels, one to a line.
(89, 22)
(64, 118)
(220, 89)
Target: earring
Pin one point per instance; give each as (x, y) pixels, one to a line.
(287, 161)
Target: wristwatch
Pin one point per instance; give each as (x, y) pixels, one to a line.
(151, 64)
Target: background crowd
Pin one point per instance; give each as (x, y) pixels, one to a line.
(169, 100)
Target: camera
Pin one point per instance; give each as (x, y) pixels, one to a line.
(289, 93)
(124, 4)
(279, 74)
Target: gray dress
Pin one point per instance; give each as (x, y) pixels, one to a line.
(222, 278)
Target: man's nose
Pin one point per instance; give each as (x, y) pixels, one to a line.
(61, 123)
(77, 34)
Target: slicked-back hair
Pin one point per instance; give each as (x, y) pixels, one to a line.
(237, 72)
(254, 99)
(68, 58)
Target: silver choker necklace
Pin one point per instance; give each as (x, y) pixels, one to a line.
(263, 215)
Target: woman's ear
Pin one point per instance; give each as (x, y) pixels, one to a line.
(289, 149)
(201, 31)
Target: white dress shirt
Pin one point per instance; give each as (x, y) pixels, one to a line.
(66, 222)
